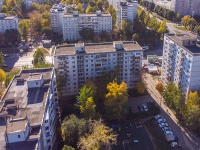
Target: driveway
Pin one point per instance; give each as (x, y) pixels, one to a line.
(186, 139)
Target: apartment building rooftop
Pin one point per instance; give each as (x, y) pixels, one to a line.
(4, 17)
(104, 47)
(188, 42)
(23, 103)
(76, 14)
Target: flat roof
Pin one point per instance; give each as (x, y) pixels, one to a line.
(30, 102)
(176, 38)
(106, 47)
(88, 15)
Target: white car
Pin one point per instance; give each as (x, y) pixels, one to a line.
(161, 121)
(163, 125)
(175, 144)
(168, 132)
(158, 117)
(144, 107)
(166, 129)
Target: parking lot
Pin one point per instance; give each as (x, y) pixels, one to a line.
(132, 135)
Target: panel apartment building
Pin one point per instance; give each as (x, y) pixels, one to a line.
(8, 22)
(28, 114)
(70, 23)
(82, 62)
(126, 10)
(181, 59)
(186, 7)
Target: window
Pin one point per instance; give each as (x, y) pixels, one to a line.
(19, 136)
(36, 83)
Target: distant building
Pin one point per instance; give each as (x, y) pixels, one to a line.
(67, 22)
(181, 59)
(186, 7)
(126, 10)
(28, 3)
(81, 62)
(28, 116)
(8, 22)
(73, 23)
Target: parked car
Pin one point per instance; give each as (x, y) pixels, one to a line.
(166, 129)
(168, 132)
(158, 117)
(161, 120)
(140, 108)
(5, 55)
(144, 107)
(175, 144)
(138, 125)
(163, 125)
(5, 65)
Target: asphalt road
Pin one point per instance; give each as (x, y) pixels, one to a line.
(21, 59)
(186, 139)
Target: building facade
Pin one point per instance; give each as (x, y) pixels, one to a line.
(28, 115)
(126, 10)
(81, 62)
(8, 22)
(186, 7)
(66, 22)
(73, 23)
(56, 14)
(181, 58)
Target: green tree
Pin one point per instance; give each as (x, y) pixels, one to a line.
(4, 9)
(98, 138)
(89, 111)
(113, 13)
(39, 56)
(115, 100)
(99, 3)
(1, 60)
(135, 37)
(88, 90)
(106, 4)
(24, 27)
(60, 84)
(172, 96)
(65, 147)
(154, 24)
(87, 33)
(73, 129)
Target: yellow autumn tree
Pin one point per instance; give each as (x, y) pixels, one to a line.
(88, 110)
(140, 88)
(99, 136)
(115, 100)
(160, 87)
(2, 75)
(79, 7)
(89, 9)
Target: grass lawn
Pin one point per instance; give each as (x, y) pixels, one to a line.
(156, 135)
(177, 32)
(181, 28)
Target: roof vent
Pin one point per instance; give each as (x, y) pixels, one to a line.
(118, 45)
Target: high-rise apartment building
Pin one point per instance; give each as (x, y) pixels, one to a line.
(81, 62)
(8, 22)
(126, 10)
(181, 59)
(73, 23)
(186, 7)
(69, 23)
(28, 116)
(56, 14)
